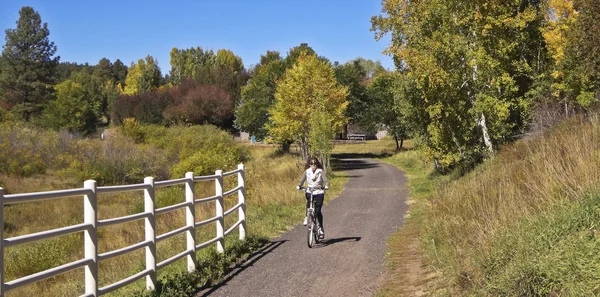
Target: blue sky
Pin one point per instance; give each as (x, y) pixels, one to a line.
(86, 31)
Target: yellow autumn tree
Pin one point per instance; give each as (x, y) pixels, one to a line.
(143, 76)
(560, 16)
(306, 88)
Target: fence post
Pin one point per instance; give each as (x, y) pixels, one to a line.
(242, 201)
(90, 241)
(190, 219)
(150, 230)
(219, 211)
(1, 242)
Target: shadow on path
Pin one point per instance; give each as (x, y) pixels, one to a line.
(349, 164)
(233, 272)
(339, 239)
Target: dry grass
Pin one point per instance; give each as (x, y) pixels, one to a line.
(474, 219)
(273, 206)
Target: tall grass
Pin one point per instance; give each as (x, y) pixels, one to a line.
(525, 223)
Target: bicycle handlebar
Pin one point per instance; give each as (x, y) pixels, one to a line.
(312, 189)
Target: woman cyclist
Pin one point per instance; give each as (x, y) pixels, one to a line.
(316, 179)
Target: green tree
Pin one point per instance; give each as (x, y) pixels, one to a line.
(28, 66)
(104, 70)
(258, 96)
(120, 73)
(230, 75)
(582, 54)
(143, 76)
(390, 107)
(321, 134)
(472, 63)
(309, 86)
(193, 63)
(65, 69)
(296, 52)
(354, 76)
(372, 68)
(71, 110)
(224, 70)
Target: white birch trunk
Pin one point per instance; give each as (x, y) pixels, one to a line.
(481, 123)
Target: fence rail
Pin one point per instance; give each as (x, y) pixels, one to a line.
(91, 224)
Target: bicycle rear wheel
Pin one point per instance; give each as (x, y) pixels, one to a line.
(311, 238)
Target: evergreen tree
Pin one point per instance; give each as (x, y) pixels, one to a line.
(28, 66)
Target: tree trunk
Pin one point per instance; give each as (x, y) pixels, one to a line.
(481, 120)
(486, 136)
(285, 146)
(304, 145)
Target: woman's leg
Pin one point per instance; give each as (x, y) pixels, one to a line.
(307, 204)
(318, 205)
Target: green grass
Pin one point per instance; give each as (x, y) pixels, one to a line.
(553, 253)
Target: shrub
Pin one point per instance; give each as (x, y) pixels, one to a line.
(208, 159)
(25, 151)
(199, 104)
(131, 129)
(210, 269)
(203, 149)
(116, 161)
(146, 107)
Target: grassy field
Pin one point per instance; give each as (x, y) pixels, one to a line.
(273, 206)
(524, 223)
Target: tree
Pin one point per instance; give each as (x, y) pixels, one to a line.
(390, 106)
(320, 136)
(308, 87)
(258, 96)
(193, 63)
(230, 75)
(225, 70)
(65, 69)
(147, 107)
(582, 54)
(143, 76)
(372, 68)
(28, 66)
(354, 76)
(71, 110)
(296, 52)
(104, 70)
(551, 86)
(120, 73)
(472, 62)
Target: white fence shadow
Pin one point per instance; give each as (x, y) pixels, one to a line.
(91, 224)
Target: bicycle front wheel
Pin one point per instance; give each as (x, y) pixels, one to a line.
(311, 231)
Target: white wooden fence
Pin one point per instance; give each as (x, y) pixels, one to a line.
(91, 224)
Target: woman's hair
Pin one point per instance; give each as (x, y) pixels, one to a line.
(313, 160)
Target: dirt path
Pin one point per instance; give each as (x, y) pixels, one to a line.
(351, 262)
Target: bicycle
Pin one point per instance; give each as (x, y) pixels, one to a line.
(312, 223)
